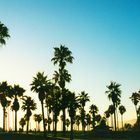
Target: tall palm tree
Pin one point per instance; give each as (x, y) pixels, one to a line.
(22, 122)
(122, 110)
(4, 34)
(93, 111)
(114, 94)
(29, 105)
(38, 119)
(40, 85)
(62, 56)
(17, 92)
(135, 98)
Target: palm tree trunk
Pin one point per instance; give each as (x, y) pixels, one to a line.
(112, 125)
(27, 127)
(71, 132)
(43, 119)
(64, 118)
(55, 125)
(122, 121)
(3, 118)
(136, 111)
(115, 120)
(15, 121)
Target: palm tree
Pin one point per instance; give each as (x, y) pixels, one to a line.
(122, 110)
(135, 98)
(29, 105)
(93, 111)
(82, 99)
(40, 85)
(72, 107)
(77, 121)
(22, 122)
(38, 119)
(107, 115)
(62, 56)
(111, 110)
(114, 94)
(17, 92)
(4, 33)
(88, 121)
(5, 91)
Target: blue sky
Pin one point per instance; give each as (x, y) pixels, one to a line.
(102, 34)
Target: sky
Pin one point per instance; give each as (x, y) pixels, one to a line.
(103, 35)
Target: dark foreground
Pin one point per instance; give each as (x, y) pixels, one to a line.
(78, 136)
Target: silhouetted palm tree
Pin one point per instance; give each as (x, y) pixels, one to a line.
(93, 111)
(111, 110)
(72, 107)
(4, 34)
(22, 122)
(40, 86)
(62, 56)
(17, 92)
(77, 121)
(29, 105)
(88, 121)
(38, 119)
(114, 94)
(5, 93)
(135, 98)
(107, 115)
(122, 110)
(82, 99)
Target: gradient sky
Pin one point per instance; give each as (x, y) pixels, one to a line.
(104, 36)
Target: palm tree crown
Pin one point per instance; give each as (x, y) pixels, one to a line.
(4, 33)
(62, 55)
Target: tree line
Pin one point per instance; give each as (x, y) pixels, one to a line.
(55, 97)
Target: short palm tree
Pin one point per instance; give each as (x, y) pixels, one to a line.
(29, 105)
(88, 121)
(72, 107)
(38, 119)
(5, 93)
(77, 121)
(114, 94)
(4, 34)
(17, 92)
(122, 110)
(40, 85)
(93, 111)
(135, 98)
(82, 99)
(107, 115)
(22, 123)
